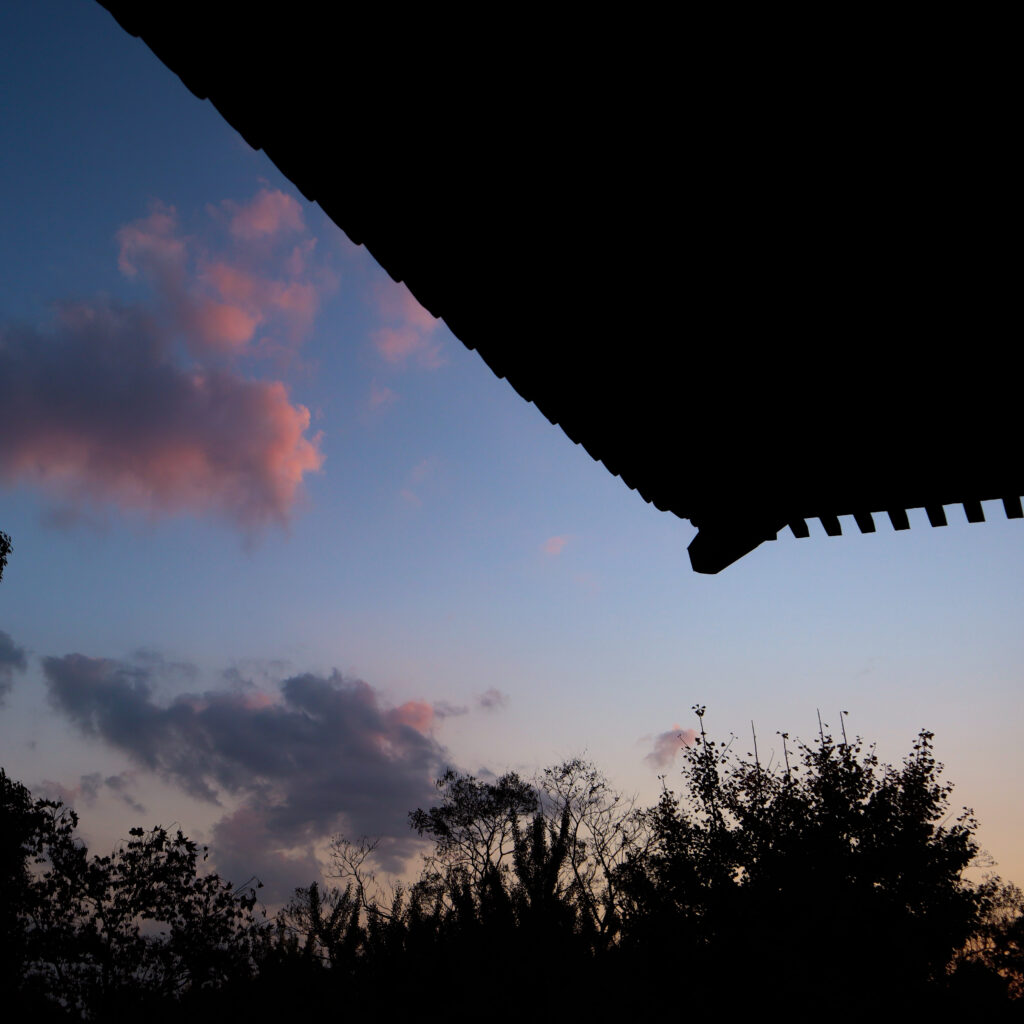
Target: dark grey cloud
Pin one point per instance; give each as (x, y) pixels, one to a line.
(245, 846)
(12, 659)
(256, 673)
(120, 785)
(445, 709)
(165, 668)
(322, 756)
(90, 786)
(492, 699)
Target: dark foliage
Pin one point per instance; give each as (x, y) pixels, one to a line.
(828, 880)
(6, 547)
(834, 875)
(473, 828)
(103, 936)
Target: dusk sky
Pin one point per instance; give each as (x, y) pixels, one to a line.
(284, 549)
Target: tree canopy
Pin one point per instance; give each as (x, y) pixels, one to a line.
(100, 935)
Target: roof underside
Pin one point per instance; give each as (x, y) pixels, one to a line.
(759, 294)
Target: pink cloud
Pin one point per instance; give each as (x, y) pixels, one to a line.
(272, 212)
(297, 298)
(554, 545)
(396, 345)
(97, 410)
(103, 408)
(409, 335)
(232, 283)
(396, 302)
(247, 301)
(256, 701)
(667, 745)
(417, 714)
(221, 327)
(217, 301)
(299, 258)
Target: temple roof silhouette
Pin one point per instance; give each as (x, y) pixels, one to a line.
(761, 291)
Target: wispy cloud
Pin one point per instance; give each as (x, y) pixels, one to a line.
(554, 545)
(423, 470)
(380, 396)
(666, 745)
(418, 475)
(445, 709)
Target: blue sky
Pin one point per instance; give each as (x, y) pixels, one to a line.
(506, 602)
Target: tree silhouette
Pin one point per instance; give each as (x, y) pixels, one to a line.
(472, 828)
(23, 825)
(605, 827)
(990, 966)
(539, 854)
(100, 935)
(6, 547)
(808, 875)
(829, 877)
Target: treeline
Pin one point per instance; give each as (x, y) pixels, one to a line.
(824, 882)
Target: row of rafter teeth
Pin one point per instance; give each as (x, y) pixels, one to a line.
(898, 517)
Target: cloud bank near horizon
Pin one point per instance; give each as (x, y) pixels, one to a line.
(323, 755)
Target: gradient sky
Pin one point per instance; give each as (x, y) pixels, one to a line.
(284, 548)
